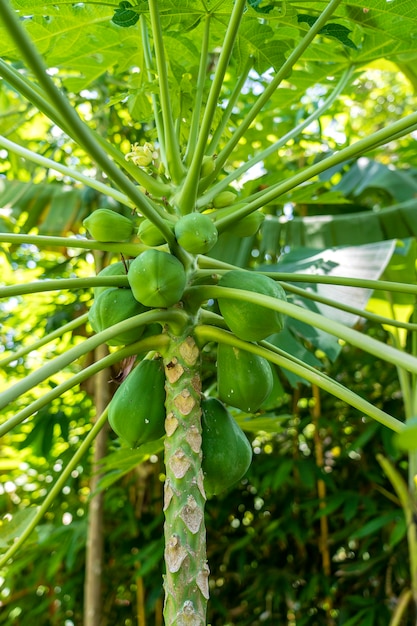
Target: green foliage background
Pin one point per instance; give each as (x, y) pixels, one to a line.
(267, 538)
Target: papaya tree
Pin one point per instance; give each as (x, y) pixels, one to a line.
(176, 219)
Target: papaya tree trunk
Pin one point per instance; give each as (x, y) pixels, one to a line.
(186, 574)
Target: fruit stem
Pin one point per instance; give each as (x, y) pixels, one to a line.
(186, 578)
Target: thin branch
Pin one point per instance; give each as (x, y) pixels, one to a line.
(229, 108)
(372, 317)
(143, 345)
(128, 249)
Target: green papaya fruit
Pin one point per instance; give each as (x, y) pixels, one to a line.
(224, 198)
(196, 233)
(207, 166)
(244, 380)
(114, 269)
(157, 278)
(107, 225)
(248, 225)
(248, 321)
(149, 234)
(114, 305)
(227, 453)
(137, 409)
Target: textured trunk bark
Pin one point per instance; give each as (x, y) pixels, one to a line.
(186, 577)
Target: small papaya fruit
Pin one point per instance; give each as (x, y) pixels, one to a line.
(244, 380)
(149, 234)
(196, 233)
(137, 409)
(114, 269)
(227, 453)
(114, 305)
(207, 166)
(157, 278)
(223, 199)
(107, 225)
(248, 225)
(248, 321)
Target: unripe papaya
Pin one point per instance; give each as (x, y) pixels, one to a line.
(157, 278)
(224, 198)
(248, 321)
(114, 269)
(149, 234)
(137, 409)
(244, 380)
(114, 305)
(227, 453)
(107, 225)
(196, 233)
(248, 225)
(207, 166)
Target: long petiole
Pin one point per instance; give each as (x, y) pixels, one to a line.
(273, 148)
(37, 97)
(150, 70)
(66, 171)
(144, 345)
(229, 108)
(199, 92)
(66, 328)
(80, 131)
(286, 68)
(56, 489)
(372, 317)
(383, 135)
(173, 155)
(58, 284)
(209, 266)
(63, 360)
(211, 333)
(188, 194)
(128, 249)
(357, 339)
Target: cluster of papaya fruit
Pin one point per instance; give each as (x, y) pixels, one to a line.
(158, 279)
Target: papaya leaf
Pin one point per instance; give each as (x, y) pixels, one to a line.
(12, 528)
(125, 15)
(339, 32)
